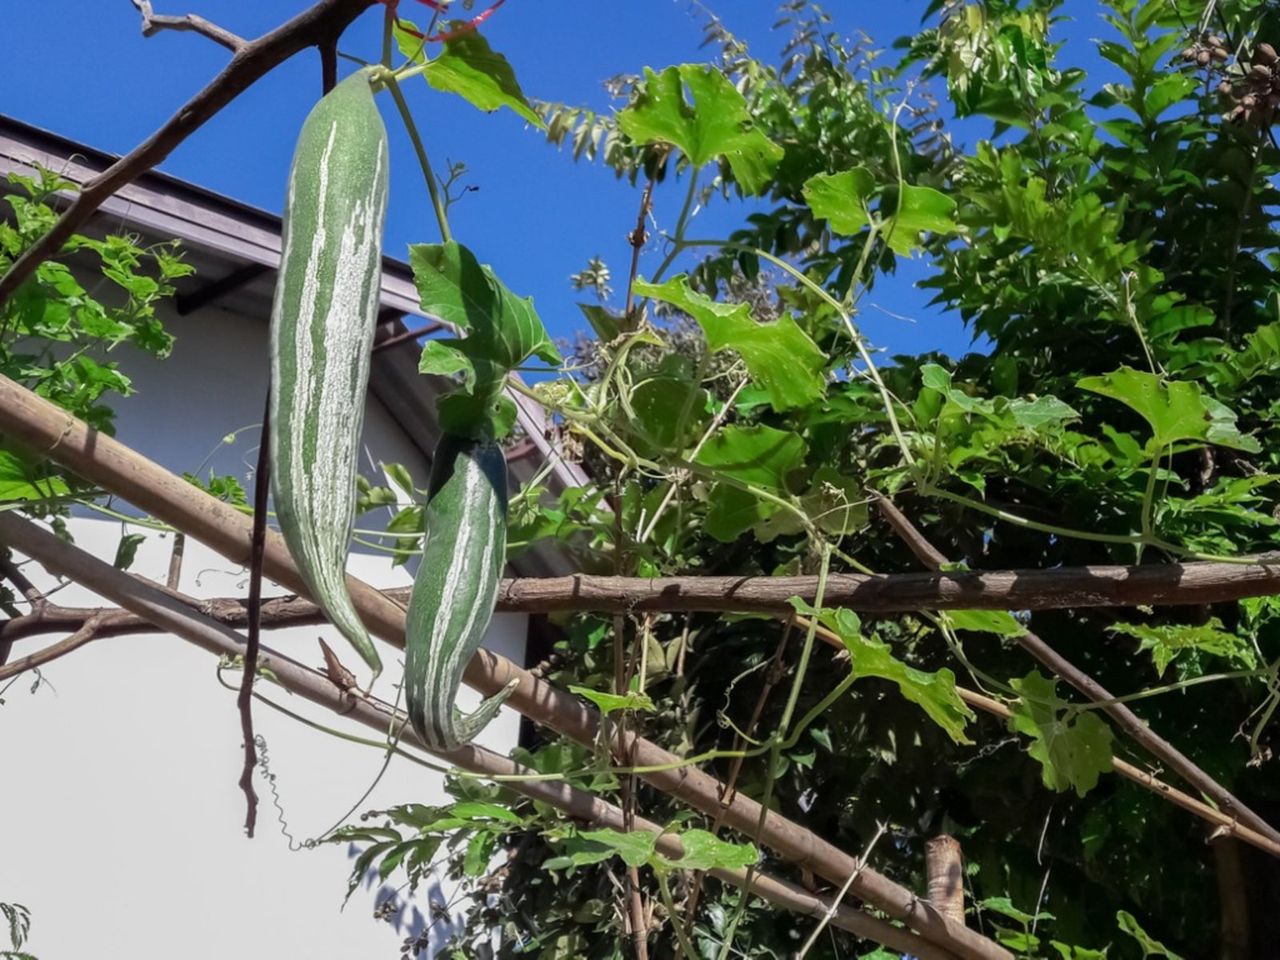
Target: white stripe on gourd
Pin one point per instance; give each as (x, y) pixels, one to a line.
(322, 326)
(455, 589)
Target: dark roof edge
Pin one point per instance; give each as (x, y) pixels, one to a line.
(56, 144)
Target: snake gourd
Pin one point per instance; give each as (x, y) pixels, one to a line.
(322, 326)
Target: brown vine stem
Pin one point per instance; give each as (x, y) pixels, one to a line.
(1123, 717)
(250, 62)
(172, 615)
(39, 425)
(257, 543)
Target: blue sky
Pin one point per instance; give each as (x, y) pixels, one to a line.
(82, 69)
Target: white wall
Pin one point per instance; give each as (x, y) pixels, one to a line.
(120, 818)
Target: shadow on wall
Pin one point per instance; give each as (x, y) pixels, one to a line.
(424, 932)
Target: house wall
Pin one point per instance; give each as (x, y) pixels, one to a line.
(120, 818)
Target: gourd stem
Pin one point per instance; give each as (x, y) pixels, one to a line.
(433, 187)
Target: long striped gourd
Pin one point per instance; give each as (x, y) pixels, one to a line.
(456, 587)
(322, 325)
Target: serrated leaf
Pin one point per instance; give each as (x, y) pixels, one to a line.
(754, 454)
(841, 198)
(1073, 750)
(780, 357)
(127, 550)
(1166, 642)
(635, 847)
(1041, 412)
(713, 122)
(935, 693)
(1175, 409)
(502, 329)
(19, 482)
(703, 850)
(473, 70)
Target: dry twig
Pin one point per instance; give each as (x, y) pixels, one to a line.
(153, 23)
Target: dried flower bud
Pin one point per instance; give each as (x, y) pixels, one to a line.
(1203, 58)
(1265, 53)
(1220, 54)
(1225, 88)
(1259, 72)
(1189, 53)
(1248, 101)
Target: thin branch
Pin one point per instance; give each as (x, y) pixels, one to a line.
(53, 651)
(1123, 717)
(153, 23)
(251, 62)
(171, 615)
(862, 862)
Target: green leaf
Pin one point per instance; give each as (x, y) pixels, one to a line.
(922, 210)
(479, 852)
(1069, 952)
(835, 502)
(1150, 947)
(841, 198)
(480, 810)
(703, 850)
(127, 550)
(502, 330)
(445, 358)
(1073, 748)
(19, 482)
(780, 356)
(606, 325)
(733, 511)
(469, 67)
(935, 693)
(1041, 412)
(1175, 409)
(671, 411)
(1004, 906)
(635, 847)
(1167, 642)
(999, 622)
(756, 454)
(714, 122)
(610, 702)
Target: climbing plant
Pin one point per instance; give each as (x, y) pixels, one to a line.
(1110, 245)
